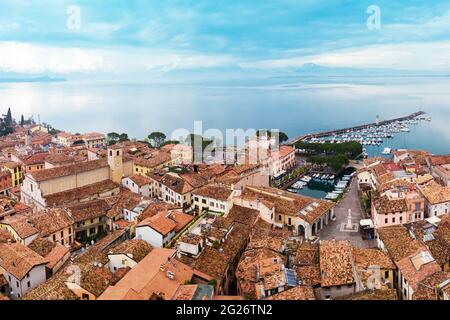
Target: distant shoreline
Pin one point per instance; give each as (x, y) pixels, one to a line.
(32, 80)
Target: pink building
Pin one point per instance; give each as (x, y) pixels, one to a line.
(397, 206)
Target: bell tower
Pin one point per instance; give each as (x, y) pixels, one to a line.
(115, 162)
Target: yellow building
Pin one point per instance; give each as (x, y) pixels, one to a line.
(38, 128)
(16, 172)
(157, 160)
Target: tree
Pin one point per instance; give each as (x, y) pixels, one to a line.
(22, 121)
(112, 138)
(157, 138)
(123, 137)
(8, 118)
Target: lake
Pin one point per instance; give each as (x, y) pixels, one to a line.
(291, 105)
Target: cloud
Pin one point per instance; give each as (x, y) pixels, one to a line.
(433, 56)
(30, 58)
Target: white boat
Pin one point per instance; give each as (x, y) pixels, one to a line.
(306, 179)
(387, 151)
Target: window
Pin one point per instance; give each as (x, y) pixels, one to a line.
(28, 284)
(289, 221)
(386, 220)
(386, 274)
(54, 237)
(62, 234)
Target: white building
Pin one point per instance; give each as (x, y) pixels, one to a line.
(437, 199)
(160, 229)
(128, 254)
(214, 198)
(22, 268)
(138, 184)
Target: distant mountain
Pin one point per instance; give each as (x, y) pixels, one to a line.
(315, 69)
(19, 79)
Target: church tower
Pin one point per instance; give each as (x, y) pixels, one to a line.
(28, 138)
(115, 162)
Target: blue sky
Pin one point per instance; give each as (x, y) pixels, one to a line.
(149, 38)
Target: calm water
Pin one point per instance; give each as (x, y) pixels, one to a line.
(296, 107)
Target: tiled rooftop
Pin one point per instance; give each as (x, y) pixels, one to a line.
(18, 259)
(336, 265)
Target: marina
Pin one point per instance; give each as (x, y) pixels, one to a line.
(326, 186)
(373, 134)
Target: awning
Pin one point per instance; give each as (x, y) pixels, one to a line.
(280, 174)
(366, 223)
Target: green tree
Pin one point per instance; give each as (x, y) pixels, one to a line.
(112, 138)
(8, 118)
(123, 137)
(157, 138)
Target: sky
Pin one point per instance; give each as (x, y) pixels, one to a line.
(150, 39)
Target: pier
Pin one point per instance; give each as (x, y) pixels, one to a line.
(360, 127)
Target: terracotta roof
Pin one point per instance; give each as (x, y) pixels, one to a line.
(296, 293)
(124, 200)
(384, 205)
(440, 160)
(309, 275)
(265, 236)
(336, 264)
(159, 223)
(88, 210)
(5, 236)
(140, 180)
(59, 158)
(155, 208)
(181, 219)
(194, 292)
(306, 208)
(149, 278)
(417, 267)
(157, 159)
(440, 250)
(18, 259)
(54, 288)
(173, 182)
(377, 294)
(36, 158)
(21, 224)
(247, 270)
(435, 193)
(194, 179)
(51, 220)
(215, 261)
(306, 254)
(81, 193)
(426, 289)
(398, 242)
(42, 246)
(136, 249)
(243, 215)
(48, 174)
(217, 192)
(368, 257)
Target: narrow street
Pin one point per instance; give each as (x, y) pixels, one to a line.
(336, 228)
